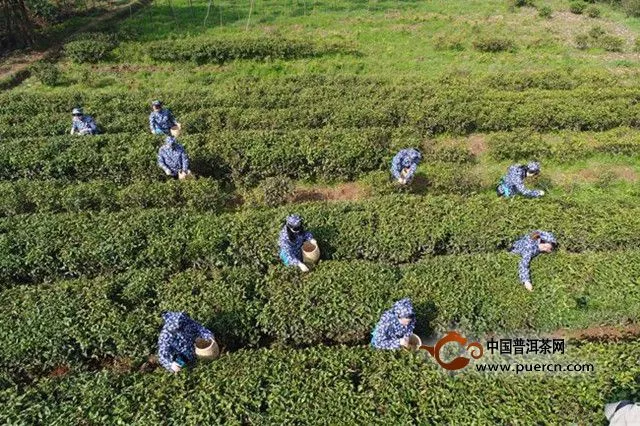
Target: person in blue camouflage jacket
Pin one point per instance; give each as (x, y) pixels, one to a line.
(395, 326)
(530, 246)
(173, 159)
(161, 120)
(512, 183)
(82, 124)
(176, 343)
(292, 237)
(404, 165)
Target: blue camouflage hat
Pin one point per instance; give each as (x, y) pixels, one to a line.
(156, 103)
(533, 167)
(294, 222)
(173, 320)
(77, 111)
(404, 308)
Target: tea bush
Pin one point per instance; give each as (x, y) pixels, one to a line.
(577, 7)
(582, 41)
(631, 7)
(494, 44)
(30, 196)
(593, 11)
(45, 247)
(524, 144)
(120, 315)
(545, 12)
(612, 43)
(46, 72)
(456, 109)
(224, 50)
(90, 47)
(340, 385)
(272, 192)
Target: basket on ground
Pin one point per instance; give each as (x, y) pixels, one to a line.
(207, 349)
(414, 342)
(310, 252)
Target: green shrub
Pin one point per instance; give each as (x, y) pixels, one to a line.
(46, 72)
(450, 179)
(596, 33)
(521, 3)
(457, 107)
(224, 50)
(340, 302)
(340, 385)
(272, 192)
(90, 47)
(593, 11)
(92, 51)
(44, 10)
(43, 247)
(582, 41)
(631, 7)
(494, 44)
(545, 12)
(449, 41)
(611, 43)
(577, 7)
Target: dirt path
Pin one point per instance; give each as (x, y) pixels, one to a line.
(17, 63)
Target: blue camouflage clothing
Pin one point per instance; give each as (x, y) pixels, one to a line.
(178, 337)
(85, 125)
(389, 330)
(527, 247)
(291, 244)
(161, 122)
(172, 157)
(405, 159)
(513, 183)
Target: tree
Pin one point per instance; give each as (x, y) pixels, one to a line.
(16, 29)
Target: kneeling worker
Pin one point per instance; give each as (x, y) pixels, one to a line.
(176, 344)
(292, 237)
(395, 326)
(512, 183)
(82, 124)
(173, 159)
(404, 165)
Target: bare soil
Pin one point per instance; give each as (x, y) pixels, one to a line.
(477, 144)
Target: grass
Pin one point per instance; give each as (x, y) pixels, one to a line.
(396, 41)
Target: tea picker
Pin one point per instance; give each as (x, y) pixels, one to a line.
(292, 238)
(395, 326)
(512, 183)
(622, 413)
(177, 341)
(162, 121)
(82, 124)
(173, 159)
(404, 165)
(530, 246)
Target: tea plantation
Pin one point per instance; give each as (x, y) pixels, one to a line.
(299, 106)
